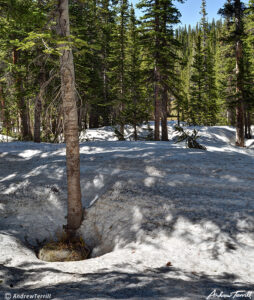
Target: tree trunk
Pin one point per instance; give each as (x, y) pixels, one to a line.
(21, 101)
(75, 213)
(30, 124)
(2, 108)
(247, 124)
(239, 76)
(38, 109)
(23, 112)
(135, 118)
(157, 106)
(239, 125)
(164, 116)
(178, 116)
(93, 117)
(231, 116)
(157, 100)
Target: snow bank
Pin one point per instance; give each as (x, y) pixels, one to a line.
(5, 138)
(164, 222)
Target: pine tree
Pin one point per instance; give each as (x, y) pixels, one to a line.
(136, 108)
(225, 64)
(106, 18)
(196, 105)
(159, 42)
(234, 11)
(249, 67)
(117, 74)
(203, 105)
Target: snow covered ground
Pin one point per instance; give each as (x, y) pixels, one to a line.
(5, 138)
(164, 222)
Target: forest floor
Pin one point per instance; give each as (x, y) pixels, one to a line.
(164, 222)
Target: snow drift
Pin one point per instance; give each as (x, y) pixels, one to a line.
(155, 212)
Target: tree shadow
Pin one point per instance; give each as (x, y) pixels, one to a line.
(160, 283)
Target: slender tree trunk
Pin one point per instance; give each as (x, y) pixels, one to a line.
(239, 125)
(94, 117)
(157, 106)
(75, 212)
(178, 116)
(164, 115)
(21, 101)
(157, 100)
(247, 124)
(23, 112)
(122, 74)
(38, 109)
(2, 108)
(135, 118)
(239, 77)
(30, 124)
(231, 116)
(135, 132)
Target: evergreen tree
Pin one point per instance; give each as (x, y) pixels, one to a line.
(159, 41)
(136, 109)
(203, 104)
(117, 73)
(233, 10)
(225, 64)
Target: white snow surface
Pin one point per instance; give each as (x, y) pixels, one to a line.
(5, 138)
(147, 204)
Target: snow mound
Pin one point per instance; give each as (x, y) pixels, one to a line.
(211, 135)
(5, 138)
(163, 221)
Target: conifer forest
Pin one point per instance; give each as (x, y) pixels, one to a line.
(128, 70)
(126, 149)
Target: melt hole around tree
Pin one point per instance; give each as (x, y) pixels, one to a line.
(64, 249)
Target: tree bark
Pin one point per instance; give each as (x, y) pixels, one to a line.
(157, 106)
(75, 213)
(239, 76)
(21, 101)
(157, 100)
(2, 108)
(94, 117)
(247, 124)
(38, 109)
(164, 115)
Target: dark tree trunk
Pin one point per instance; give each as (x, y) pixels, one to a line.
(178, 116)
(25, 132)
(239, 125)
(122, 129)
(239, 76)
(135, 120)
(157, 106)
(247, 124)
(135, 132)
(157, 100)
(2, 109)
(38, 109)
(75, 213)
(164, 117)
(94, 117)
(21, 101)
